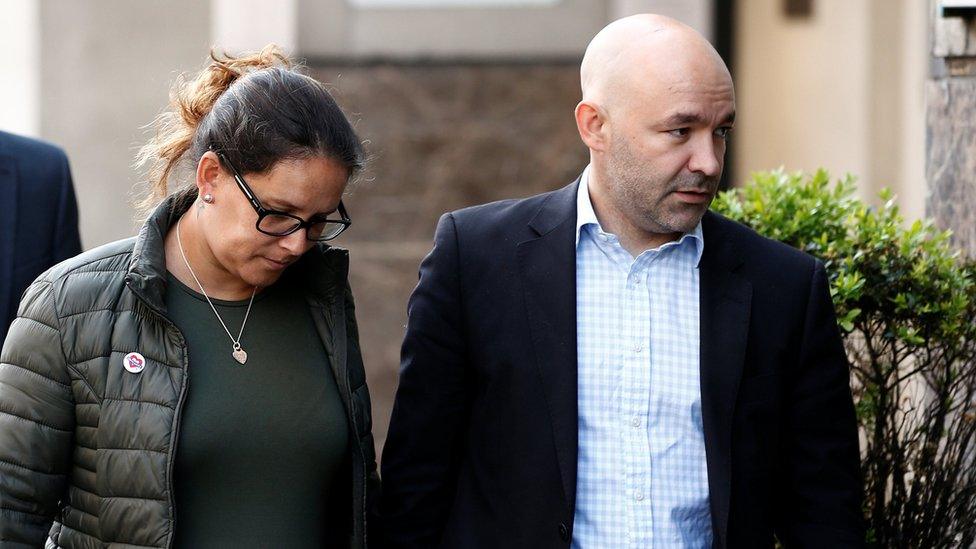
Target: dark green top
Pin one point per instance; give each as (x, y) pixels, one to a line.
(260, 457)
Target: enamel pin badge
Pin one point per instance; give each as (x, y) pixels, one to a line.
(134, 363)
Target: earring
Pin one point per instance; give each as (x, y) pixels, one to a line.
(208, 198)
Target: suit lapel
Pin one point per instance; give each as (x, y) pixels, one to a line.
(8, 223)
(547, 266)
(725, 298)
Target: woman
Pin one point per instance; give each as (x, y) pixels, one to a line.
(202, 384)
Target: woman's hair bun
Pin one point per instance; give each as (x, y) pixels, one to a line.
(257, 109)
(194, 98)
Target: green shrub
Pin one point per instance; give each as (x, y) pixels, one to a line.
(906, 304)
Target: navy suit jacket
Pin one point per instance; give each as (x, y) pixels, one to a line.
(482, 446)
(38, 217)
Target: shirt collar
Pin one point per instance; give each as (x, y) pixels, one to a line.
(584, 208)
(585, 215)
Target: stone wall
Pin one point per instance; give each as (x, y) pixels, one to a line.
(951, 131)
(441, 137)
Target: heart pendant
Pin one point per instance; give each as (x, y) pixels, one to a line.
(240, 355)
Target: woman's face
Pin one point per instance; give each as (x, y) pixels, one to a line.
(304, 187)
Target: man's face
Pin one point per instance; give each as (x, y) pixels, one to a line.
(666, 148)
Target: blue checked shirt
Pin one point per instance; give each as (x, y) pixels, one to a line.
(641, 474)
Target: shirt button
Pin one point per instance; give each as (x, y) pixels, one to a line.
(635, 422)
(638, 348)
(638, 495)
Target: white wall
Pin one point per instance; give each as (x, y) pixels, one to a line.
(106, 70)
(694, 13)
(909, 180)
(19, 74)
(802, 88)
(249, 25)
(842, 90)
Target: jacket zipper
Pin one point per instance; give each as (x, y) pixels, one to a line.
(363, 465)
(340, 314)
(177, 414)
(174, 441)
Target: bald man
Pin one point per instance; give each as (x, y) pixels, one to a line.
(610, 365)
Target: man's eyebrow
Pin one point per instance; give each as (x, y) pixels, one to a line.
(691, 118)
(683, 118)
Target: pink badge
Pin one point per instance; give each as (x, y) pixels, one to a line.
(134, 363)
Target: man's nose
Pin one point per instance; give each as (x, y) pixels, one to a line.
(706, 157)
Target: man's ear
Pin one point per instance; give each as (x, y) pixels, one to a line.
(208, 172)
(591, 121)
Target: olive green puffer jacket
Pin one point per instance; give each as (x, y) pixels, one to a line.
(87, 448)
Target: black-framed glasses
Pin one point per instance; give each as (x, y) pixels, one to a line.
(276, 223)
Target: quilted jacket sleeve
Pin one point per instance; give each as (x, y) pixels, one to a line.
(36, 421)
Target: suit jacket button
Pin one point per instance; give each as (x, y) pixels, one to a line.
(563, 532)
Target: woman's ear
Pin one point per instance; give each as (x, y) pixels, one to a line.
(208, 175)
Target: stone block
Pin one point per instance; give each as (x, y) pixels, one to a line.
(440, 137)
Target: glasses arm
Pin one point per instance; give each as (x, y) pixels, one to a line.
(343, 213)
(255, 203)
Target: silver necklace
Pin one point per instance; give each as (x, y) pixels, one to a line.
(239, 354)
